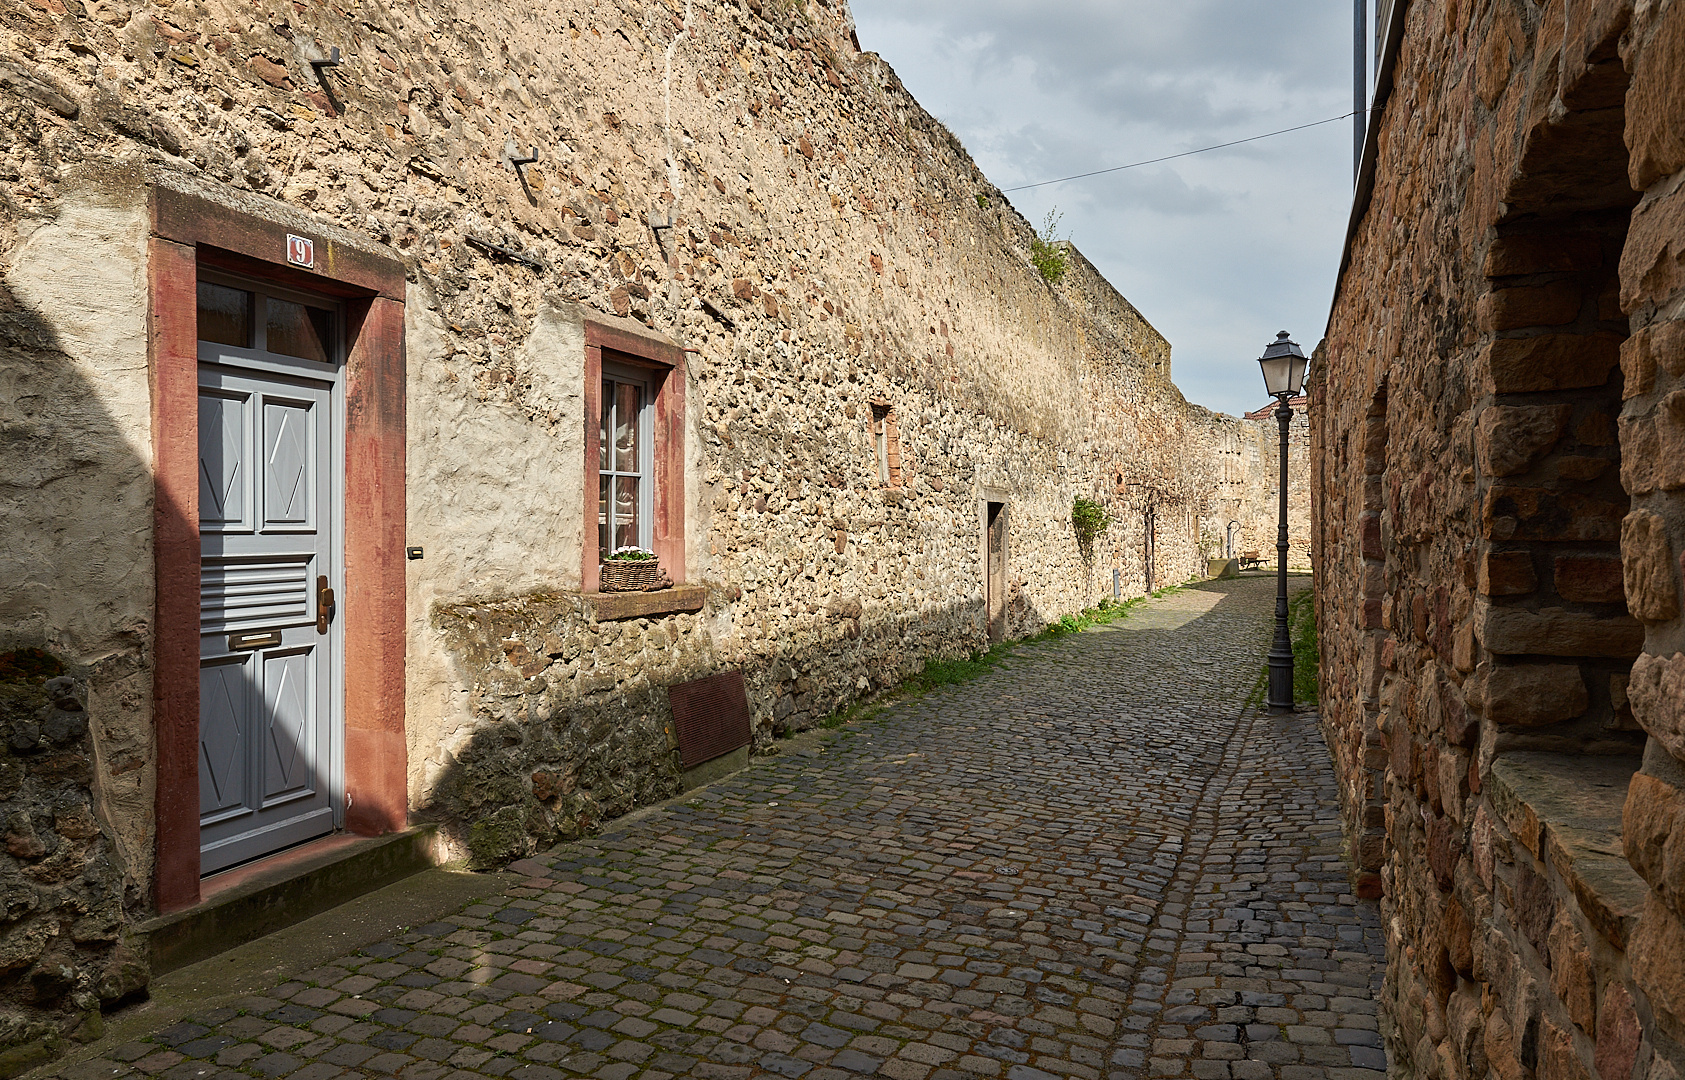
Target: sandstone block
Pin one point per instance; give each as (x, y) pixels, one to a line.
(1657, 346)
(1618, 1034)
(1534, 513)
(1557, 632)
(1653, 260)
(1507, 573)
(1511, 439)
(1588, 579)
(1458, 931)
(1653, 836)
(1462, 726)
(1493, 66)
(1669, 465)
(1657, 694)
(1558, 1059)
(1445, 846)
(1657, 955)
(1655, 101)
(1550, 362)
(1579, 467)
(1513, 255)
(1555, 304)
(1651, 586)
(1640, 452)
(1571, 976)
(1503, 1050)
(1535, 905)
(1370, 524)
(1531, 695)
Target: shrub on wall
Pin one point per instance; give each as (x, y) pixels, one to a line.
(1089, 519)
(1050, 259)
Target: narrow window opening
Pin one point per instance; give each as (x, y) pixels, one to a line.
(886, 444)
(624, 452)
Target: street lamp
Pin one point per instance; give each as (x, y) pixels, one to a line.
(1283, 364)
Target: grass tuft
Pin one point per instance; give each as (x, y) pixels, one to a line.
(1301, 623)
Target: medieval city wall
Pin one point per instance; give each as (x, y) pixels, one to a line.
(820, 246)
(1497, 532)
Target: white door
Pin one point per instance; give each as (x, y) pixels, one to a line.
(270, 700)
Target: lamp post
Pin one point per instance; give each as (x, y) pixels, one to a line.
(1283, 364)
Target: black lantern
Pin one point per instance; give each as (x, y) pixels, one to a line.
(1283, 364)
(1284, 367)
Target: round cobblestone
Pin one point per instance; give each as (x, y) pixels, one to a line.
(1094, 861)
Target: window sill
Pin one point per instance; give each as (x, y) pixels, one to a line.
(1566, 809)
(612, 606)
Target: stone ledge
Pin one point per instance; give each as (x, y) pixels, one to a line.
(285, 889)
(1566, 810)
(610, 606)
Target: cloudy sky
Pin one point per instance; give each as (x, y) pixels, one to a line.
(1218, 250)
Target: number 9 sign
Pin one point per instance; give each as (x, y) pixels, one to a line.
(301, 251)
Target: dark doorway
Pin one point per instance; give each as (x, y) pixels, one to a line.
(1148, 556)
(995, 571)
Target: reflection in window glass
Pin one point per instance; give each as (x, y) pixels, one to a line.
(623, 467)
(626, 406)
(626, 532)
(225, 315)
(296, 330)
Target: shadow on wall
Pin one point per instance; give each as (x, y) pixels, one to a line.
(571, 721)
(75, 696)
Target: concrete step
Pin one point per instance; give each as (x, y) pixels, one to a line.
(248, 902)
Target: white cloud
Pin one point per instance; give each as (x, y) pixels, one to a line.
(1219, 250)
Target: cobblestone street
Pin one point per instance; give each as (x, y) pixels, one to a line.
(1091, 862)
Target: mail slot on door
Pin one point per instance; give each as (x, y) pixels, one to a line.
(237, 642)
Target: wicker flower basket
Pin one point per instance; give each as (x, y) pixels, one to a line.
(629, 575)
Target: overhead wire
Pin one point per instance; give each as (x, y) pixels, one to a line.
(1187, 153)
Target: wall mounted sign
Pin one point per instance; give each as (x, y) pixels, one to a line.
(301, 251)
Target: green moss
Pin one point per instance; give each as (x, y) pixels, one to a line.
(1301, 622)
(498, 838)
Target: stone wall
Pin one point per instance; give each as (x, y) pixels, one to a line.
(739, 180)
(1248, 484)
(1496, 532)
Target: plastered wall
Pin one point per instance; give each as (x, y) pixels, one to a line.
(738, 179)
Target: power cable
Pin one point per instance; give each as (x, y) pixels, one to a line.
(1186, 153)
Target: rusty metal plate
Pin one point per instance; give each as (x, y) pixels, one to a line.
(711, 716)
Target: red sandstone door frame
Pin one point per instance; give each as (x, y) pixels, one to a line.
(189, 231)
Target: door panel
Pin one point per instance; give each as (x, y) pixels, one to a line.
(225, 718)
(288, 701)
(269, 709)
(224, 420)
(288, 493)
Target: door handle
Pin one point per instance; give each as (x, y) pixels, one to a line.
(326, 606)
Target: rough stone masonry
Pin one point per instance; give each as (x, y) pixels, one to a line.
(865, 362)
(1498, 469)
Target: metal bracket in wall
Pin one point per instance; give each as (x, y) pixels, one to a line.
(511, 154)
(321, 68)
(719, 316)
(492, 248)
(655, 227)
